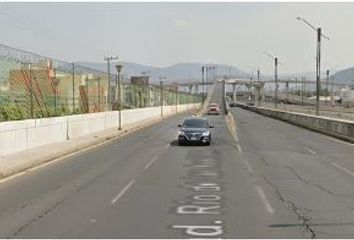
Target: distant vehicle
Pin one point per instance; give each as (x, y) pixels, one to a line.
(194, 130)
(213, 109)
(233, 104)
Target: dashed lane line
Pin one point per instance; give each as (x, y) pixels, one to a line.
(265, 201)
(149, 164)
(342, 168)
(309, 150)
(121, 193)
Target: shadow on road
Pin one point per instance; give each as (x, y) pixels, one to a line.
(174, 143)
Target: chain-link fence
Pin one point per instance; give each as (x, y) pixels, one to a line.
(34, 86)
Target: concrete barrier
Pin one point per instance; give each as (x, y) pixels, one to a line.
(16, 136)
(339, 128)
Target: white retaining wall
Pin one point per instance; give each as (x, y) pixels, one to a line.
(339, 128)
(16, 136)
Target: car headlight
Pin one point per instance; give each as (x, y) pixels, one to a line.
(205, 134)
(181, 133)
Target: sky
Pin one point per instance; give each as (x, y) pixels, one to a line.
(163, 34)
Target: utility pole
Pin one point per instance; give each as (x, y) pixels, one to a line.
(207, 79)
(203, 80)
(302, 90)
(296, 86)
(109, 97)
(318, 61)
(275, 78)
(327, 92)
(119, 69)
(332, 93)
(176, 96)
(318, 72)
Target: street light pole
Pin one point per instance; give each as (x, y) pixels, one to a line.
(275, 78)
(119, 69)
(176, 97)
(302, 90)
(206, 79)
(203, 80)
(318, 61)
(318, 71)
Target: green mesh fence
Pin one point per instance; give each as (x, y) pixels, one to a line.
(34, 86)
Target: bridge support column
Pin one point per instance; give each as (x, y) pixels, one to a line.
(234, 91)
(190, 88)
(196, 88)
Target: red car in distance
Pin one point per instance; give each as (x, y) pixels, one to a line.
(213, 109)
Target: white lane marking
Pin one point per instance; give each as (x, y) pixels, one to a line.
(342, 168)
(249, 168)
(265, 200)
(309, 150)
(239, 148)
(121, 193)
(150, 163)
(167, 145)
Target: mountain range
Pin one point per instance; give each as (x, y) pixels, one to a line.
(345, 76)
(182, 72)
(187, 72)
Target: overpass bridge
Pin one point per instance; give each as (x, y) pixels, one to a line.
(194, 85)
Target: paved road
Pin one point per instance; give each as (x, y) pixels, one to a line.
(277, 181)
(312, 174)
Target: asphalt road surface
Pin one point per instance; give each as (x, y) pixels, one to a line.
(274, 180)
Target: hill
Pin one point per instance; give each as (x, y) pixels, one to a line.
(182, 72)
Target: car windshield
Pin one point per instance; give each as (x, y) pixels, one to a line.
(195, 123)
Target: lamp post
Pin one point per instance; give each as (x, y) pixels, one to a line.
(119, 69)
(302, 90)
(327, 92)
(275, 78)
(318, 61)
(203, 80)
(176, 97)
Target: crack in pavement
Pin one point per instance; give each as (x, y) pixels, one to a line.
(330, 192)
(304, 220)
